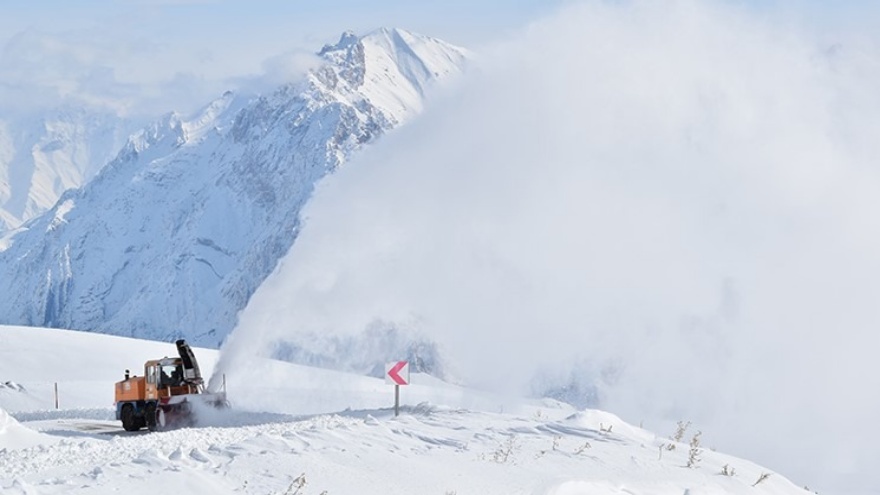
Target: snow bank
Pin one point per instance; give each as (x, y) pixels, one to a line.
(14, 436)
(447, 439)
(605, 421)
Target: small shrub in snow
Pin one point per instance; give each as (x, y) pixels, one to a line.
(582, 448)
(665, 446)
(727, 470)
(695, 451)
(505, 452)
(296, 485)
(680, 431)
(662, 447)
(555, 447)
(762, 478)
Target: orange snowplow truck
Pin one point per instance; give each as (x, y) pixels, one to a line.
(165, 395)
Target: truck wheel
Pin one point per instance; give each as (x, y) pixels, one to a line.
(129, 421)
(150, 416)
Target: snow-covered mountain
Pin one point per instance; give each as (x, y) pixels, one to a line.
(295, 429)
(173, 236)
(41, 156)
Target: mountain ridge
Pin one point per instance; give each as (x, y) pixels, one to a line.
(172, 237)
(44, 154)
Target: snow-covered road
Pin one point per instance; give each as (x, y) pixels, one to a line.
(335, 431)
(427, 449)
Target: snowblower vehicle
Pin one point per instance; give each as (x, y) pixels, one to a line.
(165, 395)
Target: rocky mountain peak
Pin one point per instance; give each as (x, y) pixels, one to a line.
(174, 235)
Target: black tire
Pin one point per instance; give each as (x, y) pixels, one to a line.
(150, 416)
(130, 422)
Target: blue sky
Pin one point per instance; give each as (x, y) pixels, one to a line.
(169, 52)
(150, 54)
(462, 19)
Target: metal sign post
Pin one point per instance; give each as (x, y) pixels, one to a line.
(397, 373)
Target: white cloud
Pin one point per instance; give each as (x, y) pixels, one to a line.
(681, 193)
(277, 70)
(133, 78)
(43, 70)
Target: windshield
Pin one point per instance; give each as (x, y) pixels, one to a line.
(170, 375)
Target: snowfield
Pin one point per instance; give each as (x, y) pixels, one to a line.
(295, 429)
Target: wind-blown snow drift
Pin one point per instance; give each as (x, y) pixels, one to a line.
(14, 436)
(678, 199)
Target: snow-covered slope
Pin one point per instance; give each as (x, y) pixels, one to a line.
(175, 234)
(43, 156)
(334, 430)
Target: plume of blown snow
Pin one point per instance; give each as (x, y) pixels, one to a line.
(679, 199)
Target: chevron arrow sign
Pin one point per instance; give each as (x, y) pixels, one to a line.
(397, 373)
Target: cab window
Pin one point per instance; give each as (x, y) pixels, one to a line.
(170, 375)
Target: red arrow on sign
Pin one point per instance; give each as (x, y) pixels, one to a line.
(393, 373)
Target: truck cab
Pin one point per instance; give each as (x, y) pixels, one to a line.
(164, 378)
